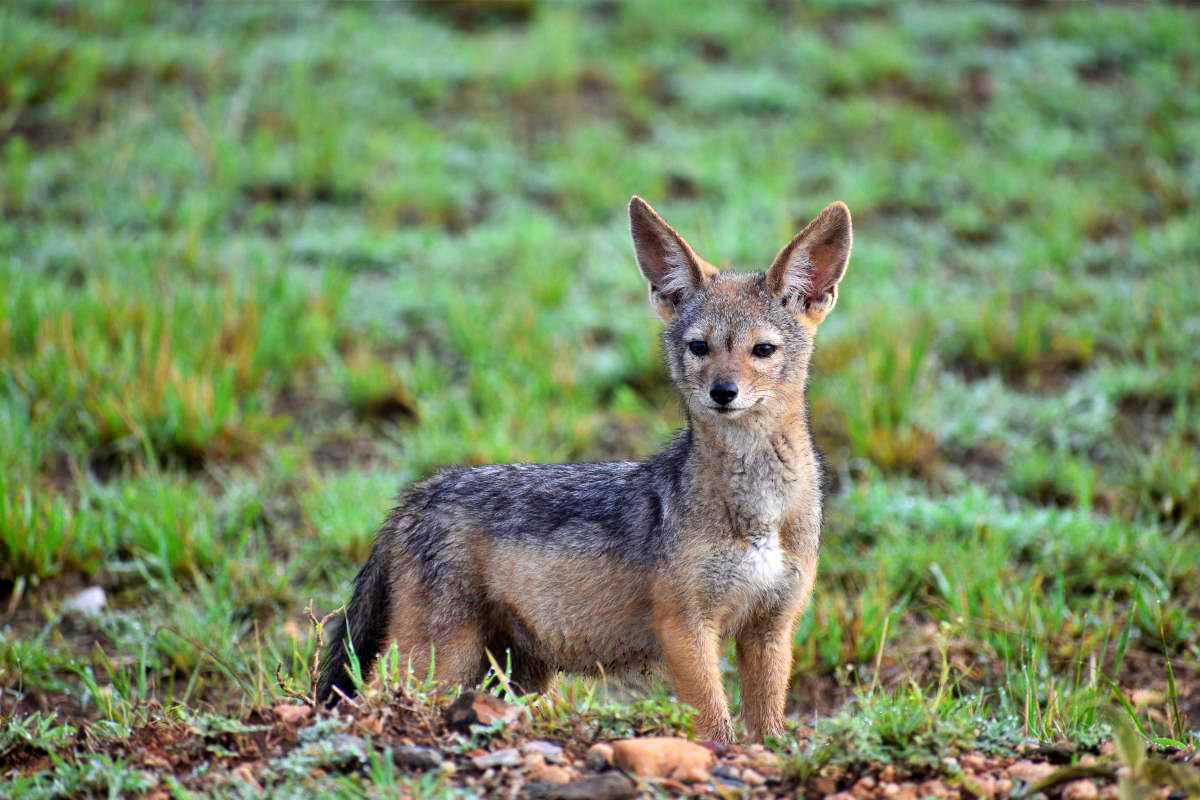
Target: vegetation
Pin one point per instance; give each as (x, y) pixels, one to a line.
(263, 264)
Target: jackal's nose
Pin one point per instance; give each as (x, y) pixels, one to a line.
(723, 393)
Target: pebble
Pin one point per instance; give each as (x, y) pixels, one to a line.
(599, 757)
(415, 757)
(1029, 771)
(478, 708)
(548, 773)
(508, 757)
(752, 778)
(664, 757)
(551, 752)
(609, 786)
(974, 761)
(89, 602)
(292, 714)
(1080, 790)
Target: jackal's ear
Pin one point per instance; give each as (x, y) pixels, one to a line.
(807, 270)
(672, 268)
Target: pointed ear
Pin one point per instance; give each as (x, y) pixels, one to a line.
(807, 270)
(672, 268)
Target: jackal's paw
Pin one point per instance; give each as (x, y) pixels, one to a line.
(719, 731)
(761, 733)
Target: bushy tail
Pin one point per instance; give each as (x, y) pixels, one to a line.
(364, 622)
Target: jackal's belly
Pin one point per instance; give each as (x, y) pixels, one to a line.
(576, 613)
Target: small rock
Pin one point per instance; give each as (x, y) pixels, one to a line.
(609, 786)
(89, 602)
(551, 752)
(508, 757)
(1080, 790)
(824, 785)
(974, 761)
(244, 774)
(888, 774)
(728, 776)
(415, 757)
(983, 786)
(934, 788)
(292, 715)
(864, 788)
(1146, 697)
(842, 796)
(599, 757)
(752, 778)
(664, 757)
(1108, 749)
(549, 773)
(340, 751)
(1029, 771)
(477, 708)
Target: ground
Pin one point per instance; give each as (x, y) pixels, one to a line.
(261, 265)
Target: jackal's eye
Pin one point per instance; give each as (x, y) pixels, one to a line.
(699, 347)
(763, 350)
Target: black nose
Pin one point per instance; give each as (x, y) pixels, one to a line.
(723, 393)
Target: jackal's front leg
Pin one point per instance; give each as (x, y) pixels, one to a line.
(691, 650)
(764, 654)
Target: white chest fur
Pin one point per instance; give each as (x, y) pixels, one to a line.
(751, 575)
(762, 564)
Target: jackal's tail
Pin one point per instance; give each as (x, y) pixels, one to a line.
(362, 625)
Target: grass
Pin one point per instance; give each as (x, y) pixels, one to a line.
(262, 266)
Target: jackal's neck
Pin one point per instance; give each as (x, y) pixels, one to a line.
(757, 482)
(748, 436)
(770, 452)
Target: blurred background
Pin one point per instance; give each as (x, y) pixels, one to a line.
(261, 264)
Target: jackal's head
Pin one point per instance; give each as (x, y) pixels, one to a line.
(738, 344)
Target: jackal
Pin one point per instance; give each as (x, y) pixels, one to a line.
(628, 566)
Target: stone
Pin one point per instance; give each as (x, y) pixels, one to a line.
(1029, 771)
(551, 752)
(89, 602)
(752, 778)
(982, 786)
(974, 761)
(824, 785)
(1080, 790)
(599, 757)
(935, 788)
(478, 708)
(413, 757)
(292, 714)
(549, 773)
(728, 776)
(609, 786)
(664, 757)
(508, 757)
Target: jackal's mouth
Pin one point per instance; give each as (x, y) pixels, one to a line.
(723, 411)
(728, 410)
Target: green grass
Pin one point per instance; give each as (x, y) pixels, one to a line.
(261, 266)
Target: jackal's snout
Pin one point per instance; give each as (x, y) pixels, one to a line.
(723, 392)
